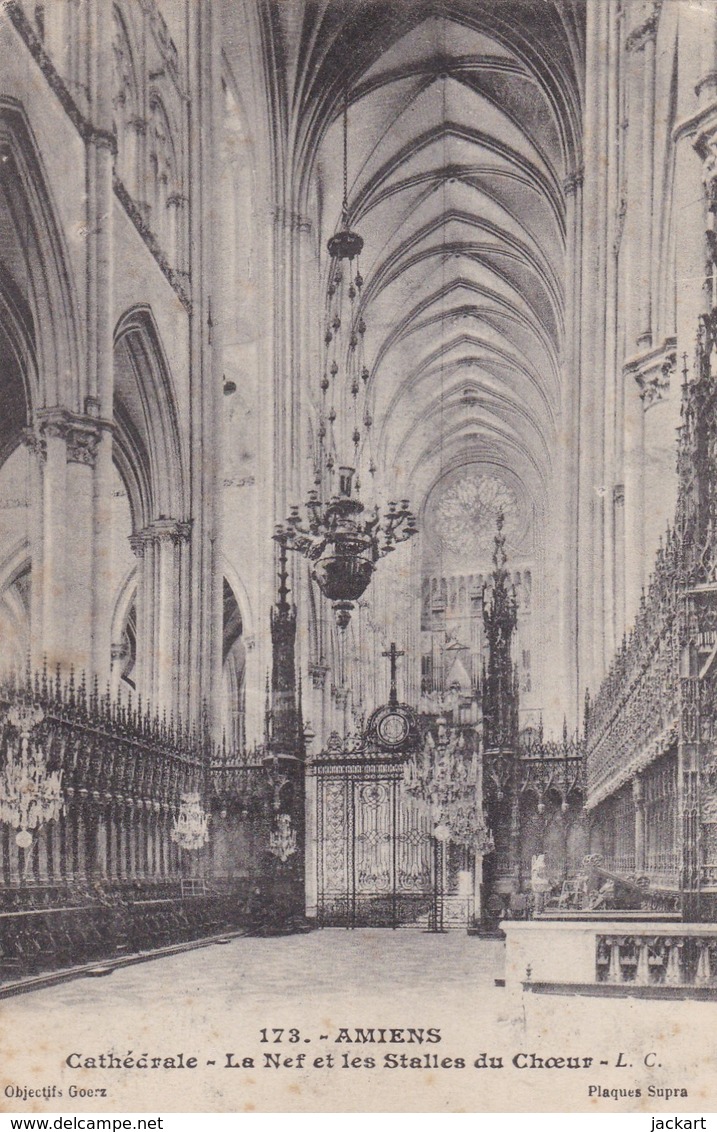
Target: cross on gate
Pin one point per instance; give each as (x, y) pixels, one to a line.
(393, 654)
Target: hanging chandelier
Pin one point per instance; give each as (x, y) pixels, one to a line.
(191, 825)
(30, 795)
(339, 533)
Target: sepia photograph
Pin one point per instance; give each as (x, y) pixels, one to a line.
(358, 556)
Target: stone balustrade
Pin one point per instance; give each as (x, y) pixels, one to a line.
(647, 958)
(615, 952)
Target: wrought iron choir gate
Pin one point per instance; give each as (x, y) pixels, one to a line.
(375, 849)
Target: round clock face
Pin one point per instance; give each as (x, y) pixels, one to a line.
(392, 729)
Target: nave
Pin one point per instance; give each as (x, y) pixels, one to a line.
(358, 505)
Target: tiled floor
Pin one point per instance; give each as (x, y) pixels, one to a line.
(339, 964)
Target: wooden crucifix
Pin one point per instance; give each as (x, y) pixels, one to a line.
(393, 654)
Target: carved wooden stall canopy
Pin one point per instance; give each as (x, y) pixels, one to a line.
(652, 728)
(97, 801)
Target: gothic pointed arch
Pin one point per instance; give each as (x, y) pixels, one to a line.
(124, 636)
(41, 366)
(128, 122)
(38, 303)
(18, 363)
(148, 447)
(164, 167)
(149, 456)
(464, 153)
(15, 598)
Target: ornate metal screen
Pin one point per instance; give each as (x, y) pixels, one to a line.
(375, 850)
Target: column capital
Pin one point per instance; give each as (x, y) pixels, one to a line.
(652, 371)
(81, 433)
(35, 442)
(162, 530)
(318, 673)
(293, 221)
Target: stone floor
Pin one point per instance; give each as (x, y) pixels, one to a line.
(214, 1002)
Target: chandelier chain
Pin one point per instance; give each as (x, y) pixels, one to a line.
(345, 203)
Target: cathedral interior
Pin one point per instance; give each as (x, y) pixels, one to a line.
(358, 474)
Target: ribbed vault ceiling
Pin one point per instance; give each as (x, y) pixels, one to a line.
(463, 127)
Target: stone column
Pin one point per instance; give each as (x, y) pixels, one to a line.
(633, 281)
(642, 40)
(591, 483)
(653, 372)
(81, 450)
(176, 205)
(634, 496)
(103, 596)
(66, 618)
(50, 447)
(90, 470)
(319, 712)
(612, 362)
(37, 455)
(205, 376)
(572, 679)
(161, 549)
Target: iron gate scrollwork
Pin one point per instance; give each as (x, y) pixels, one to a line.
(375, 864)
